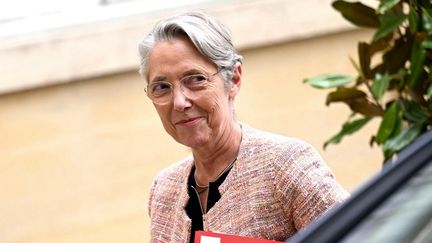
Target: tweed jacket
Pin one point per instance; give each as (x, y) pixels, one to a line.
(276, 187)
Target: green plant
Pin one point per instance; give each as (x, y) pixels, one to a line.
(394, 81)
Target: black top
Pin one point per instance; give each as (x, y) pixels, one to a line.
(193, 208)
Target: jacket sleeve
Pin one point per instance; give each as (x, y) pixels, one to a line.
(305, 185)
(151, 197)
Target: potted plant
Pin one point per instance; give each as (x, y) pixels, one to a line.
(394, 81)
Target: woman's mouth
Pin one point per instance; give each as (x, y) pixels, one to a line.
(188, 122)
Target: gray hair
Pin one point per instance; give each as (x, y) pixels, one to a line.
(211, 38)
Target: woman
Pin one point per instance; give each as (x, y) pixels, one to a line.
(238, 180)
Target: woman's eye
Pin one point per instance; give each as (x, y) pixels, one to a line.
(158, 88)
(195, 80)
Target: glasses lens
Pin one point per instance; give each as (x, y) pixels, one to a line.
(195, 82)
(159, 92)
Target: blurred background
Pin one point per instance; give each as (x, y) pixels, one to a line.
(80, 142)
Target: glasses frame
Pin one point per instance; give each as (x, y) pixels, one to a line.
(182, 87)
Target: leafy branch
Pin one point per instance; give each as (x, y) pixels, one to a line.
(397, 90)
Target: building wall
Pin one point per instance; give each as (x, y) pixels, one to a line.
(77, 159)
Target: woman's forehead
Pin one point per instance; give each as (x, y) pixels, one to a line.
(177, 57)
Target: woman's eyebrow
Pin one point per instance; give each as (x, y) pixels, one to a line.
(183, 74)
(158, 78)
(192, 71)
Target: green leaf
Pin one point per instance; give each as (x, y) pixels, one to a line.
(413, 112)
(364, 58)
(398, 126)
(427, 20)
(357, 68)
(429, 91)
(386, 5)
(413, 19)
(380, 85)
(417, 60)
(389, 22)
(401, 140)
(388, 123)
(348, 128)
(380, 45)
(399, 75)
(364, 107)
(344, 95)
(427, 44)
(395, 58)
(328, 81)
(357, 13)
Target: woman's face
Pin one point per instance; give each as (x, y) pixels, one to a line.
(202, 118)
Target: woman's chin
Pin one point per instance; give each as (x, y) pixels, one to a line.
(193, 141)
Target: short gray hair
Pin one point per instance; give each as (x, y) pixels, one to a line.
(211, 38)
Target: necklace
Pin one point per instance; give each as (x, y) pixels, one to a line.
(201, 188)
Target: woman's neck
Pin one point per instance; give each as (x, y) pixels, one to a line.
(213, 160)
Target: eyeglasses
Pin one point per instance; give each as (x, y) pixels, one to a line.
(161, 92)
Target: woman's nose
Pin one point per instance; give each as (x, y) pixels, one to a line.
(180, 100)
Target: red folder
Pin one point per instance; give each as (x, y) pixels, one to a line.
(213, 237)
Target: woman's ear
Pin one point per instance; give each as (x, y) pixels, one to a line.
(236, 80)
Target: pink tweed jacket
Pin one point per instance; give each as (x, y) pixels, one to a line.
(276, 187)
